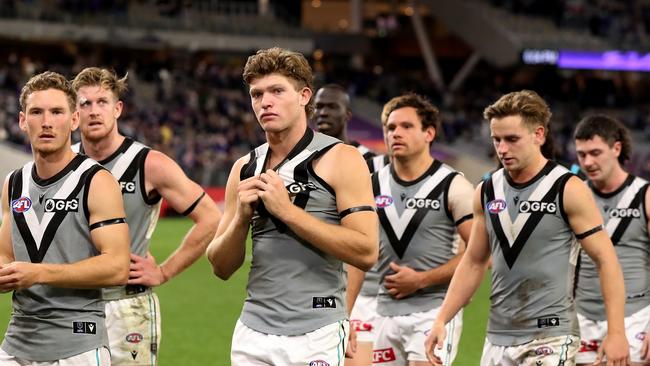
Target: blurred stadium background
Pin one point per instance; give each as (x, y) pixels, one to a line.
(187, 99)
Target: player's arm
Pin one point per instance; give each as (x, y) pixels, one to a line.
(466, 279)
(355, 241)
(164, 176)
(6, 248)
(355, 281)
(645, 347)
(109, 234)
(586, 221)
(227, 250)
(405, 280)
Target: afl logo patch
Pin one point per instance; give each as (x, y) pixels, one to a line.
(134, 337)
(23, 204)
(383, 201)
(319, 363)
(496, 206)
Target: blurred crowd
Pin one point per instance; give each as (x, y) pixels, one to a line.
(196, 109)
(623, 23)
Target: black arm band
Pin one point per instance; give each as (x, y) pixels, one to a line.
(96, 225)
(351, 210)
(191, 208)
(589, 232)
(463, 219)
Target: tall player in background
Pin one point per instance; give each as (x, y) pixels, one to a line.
(423, 205)
(332, 114)
(63, 236)
(146, 176)
(308, 200)
(603, 145)
(528, 215)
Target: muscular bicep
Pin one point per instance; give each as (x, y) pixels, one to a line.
(478, 245)
(230, 204)
(585, 219)
(459, 199)
(164, 176)
(105, 209)
(6, 248)
(580, 207)
(346, 172)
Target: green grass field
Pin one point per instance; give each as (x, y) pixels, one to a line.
(199, 310)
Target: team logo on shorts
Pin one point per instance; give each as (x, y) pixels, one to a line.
(640, 336)
(319, 363)
(383, 355)
(589, 346)
(544, 351)
(360, 325)
(134, 338)
(383, 201)
(496, 206)
(23, 204)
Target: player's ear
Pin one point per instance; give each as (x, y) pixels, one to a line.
(75, 120)
(119, 106)
(21, 121)
(305, 96)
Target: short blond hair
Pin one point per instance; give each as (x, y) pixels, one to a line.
(108, 79)
(48, 80)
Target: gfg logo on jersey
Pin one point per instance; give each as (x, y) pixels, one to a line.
(537, 206)
(383, 201)
(427, 203)
(134, 338)
(22, 204)
(496, 206)
(622, 213)
(299, 187)
(383, 355)
(127, 187)
(61, 205)
(319, 363)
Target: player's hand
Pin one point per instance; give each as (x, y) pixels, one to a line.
(403, 282)
(616, 349)
(248, 196)
(274, 194)
(352, 343)
(645, 349)
(145, 271)
(435, 339)
(17, 276)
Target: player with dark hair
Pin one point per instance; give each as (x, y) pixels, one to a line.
(603, 146)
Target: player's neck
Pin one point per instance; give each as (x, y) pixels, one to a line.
(281, 143)
(530, 171)
(613, 182)
(48, 165)
(102, 148)
(412, 168)
(343, 136)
